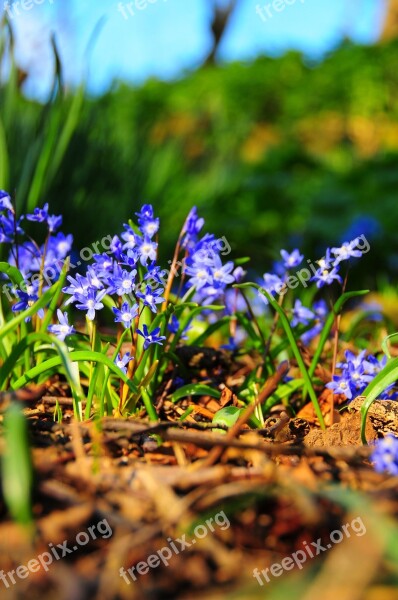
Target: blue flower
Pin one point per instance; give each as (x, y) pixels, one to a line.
(147, 250)
(192, 227)
(78, 286)
(5, 201)
(54, 222)
(148, 224)
(126, 314)
(103, 264)
(357, 373)
(152, 337)
(90, 301)
(63, 329)
(40, 215)
(346, 251)
(26, 300)
(59, 246)
(301, 314)
(8, 229)
(123, 362)
(292, 260)
(151, 297)
(385, 455)
(129, 237)
(124, 283)
(326, 277)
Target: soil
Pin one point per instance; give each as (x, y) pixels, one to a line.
(280, 489)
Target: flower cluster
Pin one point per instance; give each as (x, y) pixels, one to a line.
(385, 455)
(203, 264)
(326, 272)
(356, 374)
(127, 273)
(305, 316)
(33, 260)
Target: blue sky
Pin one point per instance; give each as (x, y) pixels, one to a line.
(168, 37)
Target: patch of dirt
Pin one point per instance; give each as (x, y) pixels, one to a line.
(344, 433)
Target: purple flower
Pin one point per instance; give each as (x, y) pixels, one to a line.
(346, 251)
(301, 314)
(63, 329)
(40, 215)
(54, 222)
(192, 227)
(151, 297)
(292, 260)
(26, 300)
(152, 337)
(78, 286)
(123, 362)
(385, 455)
(5, 201)
(147, 250)
(326, 277)
(355, 375)
(124, 283)
(90, 302)
(129, 238)
(126, 314)
(148, 224)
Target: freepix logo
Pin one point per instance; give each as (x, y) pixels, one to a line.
(311, 550)
(267, 11)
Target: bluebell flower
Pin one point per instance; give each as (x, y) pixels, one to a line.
(192, 227)
(151, 298)
(90, 301)
(301, 314)
(103, 263)
(63, 329)
(59, 246)
(346, 251)
(129, 237)
(200, 276)
(357, 371)
(326, 277)
(155, 273)
(116, 246)
(8, 229)
(93, 279)
(122, 362)
(54, 222)
(126, 314)
(147, 249)
(272, 284)
(385, 455)
(26, 300)
(174, 325)
(292, 260)
(326, 262)
(152, 337)
(5, 201)
(148, 224)
(125, 282)
(40, 215)
(130, 258)
(77, 286)
(320, 309)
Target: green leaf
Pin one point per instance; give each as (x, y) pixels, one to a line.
(17, 474)
(194, 389)
(229, 415)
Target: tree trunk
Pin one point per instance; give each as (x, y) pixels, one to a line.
(219, 24)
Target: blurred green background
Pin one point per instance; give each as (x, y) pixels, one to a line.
(276, 152)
